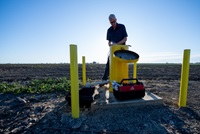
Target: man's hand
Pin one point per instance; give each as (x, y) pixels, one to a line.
(120, 42)
(114, 44)
(111, 43)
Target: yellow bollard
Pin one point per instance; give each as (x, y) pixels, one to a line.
(184, 78)
(135, 71)
(83, 70)
(74, 81)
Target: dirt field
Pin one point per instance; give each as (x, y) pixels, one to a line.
(23, 72)
(49, 113)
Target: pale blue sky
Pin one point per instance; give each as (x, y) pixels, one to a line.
(40, 31)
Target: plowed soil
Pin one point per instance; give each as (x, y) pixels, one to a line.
(50, 113)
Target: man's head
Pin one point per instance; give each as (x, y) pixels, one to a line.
(113, 20)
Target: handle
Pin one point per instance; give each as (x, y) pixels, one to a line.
(129, 80)
(126, 45)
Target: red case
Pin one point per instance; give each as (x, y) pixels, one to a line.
(128, 91)
(131, 87)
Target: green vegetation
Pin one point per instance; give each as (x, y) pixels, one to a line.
(36, 86)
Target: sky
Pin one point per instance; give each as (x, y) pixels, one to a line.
(40, 31)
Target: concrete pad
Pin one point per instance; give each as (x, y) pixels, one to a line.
(106, 99)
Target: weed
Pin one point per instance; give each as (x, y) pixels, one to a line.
(36, 86)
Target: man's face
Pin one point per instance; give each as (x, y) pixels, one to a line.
(113, 22)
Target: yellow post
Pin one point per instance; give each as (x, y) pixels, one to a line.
(184, 78)
(83, 70)
(74, 81)
(135, 71)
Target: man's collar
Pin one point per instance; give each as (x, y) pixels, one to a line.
(116, 26)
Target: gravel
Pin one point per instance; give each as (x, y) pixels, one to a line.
(50, 113)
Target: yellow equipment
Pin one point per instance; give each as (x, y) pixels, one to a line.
(120, 56)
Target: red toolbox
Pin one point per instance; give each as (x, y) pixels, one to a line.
(129, 89)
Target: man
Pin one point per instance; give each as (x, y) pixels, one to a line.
(116, 34)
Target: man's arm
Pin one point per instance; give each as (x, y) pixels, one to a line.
(109, 43)
(122, 41)
(124, 34)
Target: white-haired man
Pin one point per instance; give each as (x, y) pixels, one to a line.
(116, 34)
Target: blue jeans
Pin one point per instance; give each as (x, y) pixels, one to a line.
(106, 72)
